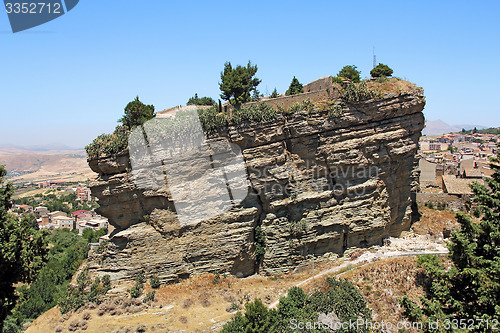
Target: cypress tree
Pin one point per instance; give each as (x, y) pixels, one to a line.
(470, 287)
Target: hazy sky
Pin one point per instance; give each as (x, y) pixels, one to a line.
(68, 80)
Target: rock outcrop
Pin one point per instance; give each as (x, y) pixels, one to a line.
(348, 182)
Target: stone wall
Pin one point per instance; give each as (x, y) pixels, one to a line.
(349, 182)
(318, 90)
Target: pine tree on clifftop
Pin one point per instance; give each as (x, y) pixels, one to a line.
(295, 87)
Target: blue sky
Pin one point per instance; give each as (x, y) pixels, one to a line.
(68, 80)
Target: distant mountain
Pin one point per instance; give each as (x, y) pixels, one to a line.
(439, 127)
(51, 149)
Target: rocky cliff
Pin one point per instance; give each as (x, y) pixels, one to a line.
(344, 180)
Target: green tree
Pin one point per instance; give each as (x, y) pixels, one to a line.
(350, 72)
(237, 83)
(257, 319)
(195, 100)
(381, 70)
(137, 113)
(274, 94)
(470, 287)
(22, 250)
(295, 87)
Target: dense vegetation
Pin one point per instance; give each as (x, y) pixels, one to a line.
(22, 250)
(341, 302)
(295, 87)
(237, 83)
(65, 203)
(468, 291)
(195, 100)
(381, 70)
(50, 287)
(109, 144)
(85, 291)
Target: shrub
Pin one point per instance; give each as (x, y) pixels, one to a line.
(109, 144)
(106, 282)
(335, 111)
(212, 120)
(140, 278)
(260, 240)
(150, 297)
(154, 282)
(307, 105)
(354, 93)
(187, 303)
(382, 79)
(296, 107)
(136, 290)
(74, 325)
(253, 113)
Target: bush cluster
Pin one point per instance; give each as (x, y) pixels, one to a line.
(154, 282)
(212, 120)
(150, 297)
(355, 93)
(109, 144)
(341, 299)
(138, 287)
(253, 113)
(86, 291)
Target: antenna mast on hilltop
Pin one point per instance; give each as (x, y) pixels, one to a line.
(374, 58)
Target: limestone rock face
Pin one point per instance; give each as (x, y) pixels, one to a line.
(318, 184)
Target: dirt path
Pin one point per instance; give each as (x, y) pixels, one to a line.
(390, 251)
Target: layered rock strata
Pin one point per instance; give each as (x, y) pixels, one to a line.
(319, 184)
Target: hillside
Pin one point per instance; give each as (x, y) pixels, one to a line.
(39, 167)
(203, 303)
